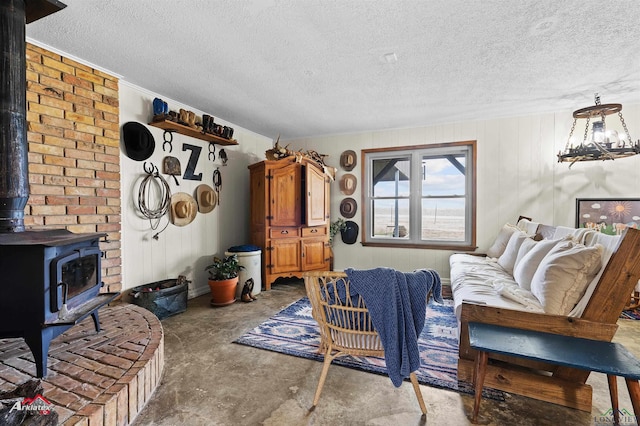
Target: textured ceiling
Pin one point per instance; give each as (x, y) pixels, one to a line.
(309, 67)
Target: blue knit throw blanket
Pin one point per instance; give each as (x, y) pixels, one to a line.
(397, 304)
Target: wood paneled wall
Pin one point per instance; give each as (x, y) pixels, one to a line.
(518, 174)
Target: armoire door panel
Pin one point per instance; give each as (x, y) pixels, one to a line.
(286, 256)
(313, 254)
(285, 187)
(316, 193)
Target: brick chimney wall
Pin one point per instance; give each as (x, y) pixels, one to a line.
(74, 152)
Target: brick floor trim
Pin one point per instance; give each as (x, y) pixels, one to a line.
(96, 379)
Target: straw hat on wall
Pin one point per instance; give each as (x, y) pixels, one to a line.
(348, 160)
(206, 197)
(348, 184)
(348, 207)
(183, 209)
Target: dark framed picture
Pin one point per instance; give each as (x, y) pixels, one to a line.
(608, 215)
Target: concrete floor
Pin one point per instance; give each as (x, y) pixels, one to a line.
(210, 381)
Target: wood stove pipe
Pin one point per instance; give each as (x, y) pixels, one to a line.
(14, 178)
(14, 174)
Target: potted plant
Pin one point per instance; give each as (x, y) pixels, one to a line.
(334, 228)
(223, 279)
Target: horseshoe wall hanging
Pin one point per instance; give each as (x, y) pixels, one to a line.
(212, 151)
(168, 139)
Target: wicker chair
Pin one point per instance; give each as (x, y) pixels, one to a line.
(345, 324)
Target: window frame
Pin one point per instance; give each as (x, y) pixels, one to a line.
(368, 155)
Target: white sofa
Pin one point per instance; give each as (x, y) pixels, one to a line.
(533, 267)
(558, 285)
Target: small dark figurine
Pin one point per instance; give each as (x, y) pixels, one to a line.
(247, 291)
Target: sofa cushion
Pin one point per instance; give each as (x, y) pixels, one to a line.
(529, 257)
(480, 279)
(563, 275)
(610, 243)
(508, 259)
(498, 246)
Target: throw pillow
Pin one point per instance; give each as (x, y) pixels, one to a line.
(526, 246)
(563, 275)
(498, 246)
(527, 264)
(508, 259)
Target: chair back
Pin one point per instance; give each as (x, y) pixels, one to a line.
(343, 317)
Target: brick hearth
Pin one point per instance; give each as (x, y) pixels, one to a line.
(95, 378)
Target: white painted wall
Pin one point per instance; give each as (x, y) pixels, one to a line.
(183, 250)
(517, 174)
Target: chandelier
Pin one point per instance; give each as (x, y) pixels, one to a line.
(601, 143)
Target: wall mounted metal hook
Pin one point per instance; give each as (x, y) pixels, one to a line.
(151, 169)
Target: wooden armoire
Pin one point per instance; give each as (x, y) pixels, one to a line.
(290, 217)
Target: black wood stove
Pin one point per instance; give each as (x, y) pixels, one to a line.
(49, 279)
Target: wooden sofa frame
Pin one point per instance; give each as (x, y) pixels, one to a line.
(560, 385)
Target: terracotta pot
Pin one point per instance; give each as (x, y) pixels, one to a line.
(223, 292)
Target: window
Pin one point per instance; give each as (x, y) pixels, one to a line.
(420, 196)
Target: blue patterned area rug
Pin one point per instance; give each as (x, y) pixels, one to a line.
(293, 331)
(633, 314)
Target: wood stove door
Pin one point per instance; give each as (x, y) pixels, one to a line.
(75, 277)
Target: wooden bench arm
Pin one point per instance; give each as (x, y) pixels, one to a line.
(556, 324)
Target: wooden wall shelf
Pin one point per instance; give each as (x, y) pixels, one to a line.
(193, 133)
